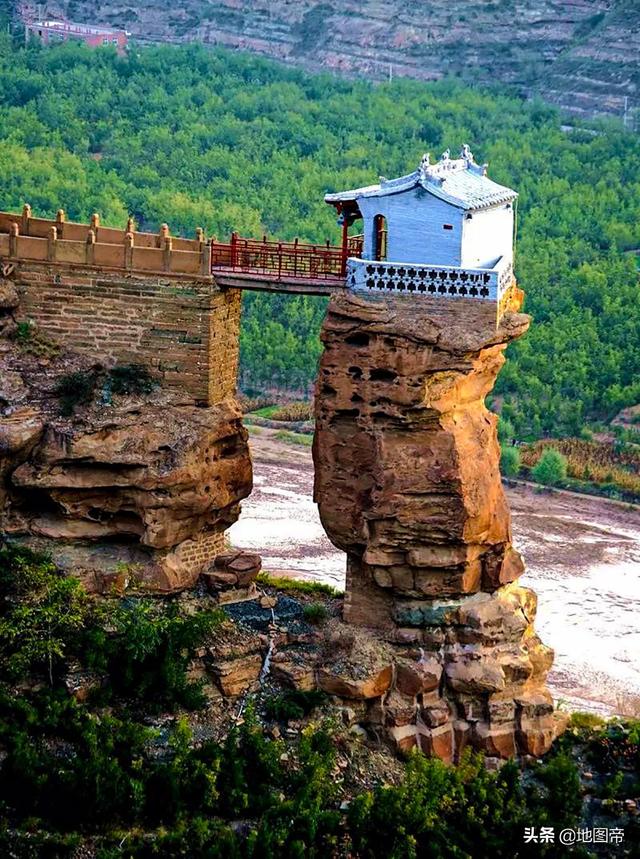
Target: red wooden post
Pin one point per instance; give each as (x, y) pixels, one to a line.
(345, 246)
(234, 250)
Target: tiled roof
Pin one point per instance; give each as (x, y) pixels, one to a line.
(459, 181)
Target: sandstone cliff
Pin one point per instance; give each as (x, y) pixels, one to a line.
(407, 457)
(581, 55)
(408, 485)
(136, 485)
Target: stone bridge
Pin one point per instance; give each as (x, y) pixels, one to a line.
(406, 455)
(167, 302)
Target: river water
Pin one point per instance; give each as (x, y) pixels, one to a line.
(582, 556)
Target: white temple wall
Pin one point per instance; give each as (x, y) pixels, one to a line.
(416, 227)
(487, 236)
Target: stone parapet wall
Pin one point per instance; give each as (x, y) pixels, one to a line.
(23, 237)
(184, 329)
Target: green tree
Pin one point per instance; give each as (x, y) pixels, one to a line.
(506, 431)
(510, 461)
(43, 612)
(551, 468)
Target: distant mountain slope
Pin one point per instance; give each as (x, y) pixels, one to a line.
(580, 54)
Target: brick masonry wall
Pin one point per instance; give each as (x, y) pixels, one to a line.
(191, 557)
(224, 343)
(185, 329)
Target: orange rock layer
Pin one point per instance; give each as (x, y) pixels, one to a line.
(408, 485)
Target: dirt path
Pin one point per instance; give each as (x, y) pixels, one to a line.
(582, 556)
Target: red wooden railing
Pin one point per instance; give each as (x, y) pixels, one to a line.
(280, 260)
(355, 246)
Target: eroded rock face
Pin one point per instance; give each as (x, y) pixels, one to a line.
(406, 453)
(144, 484)
(408, 485)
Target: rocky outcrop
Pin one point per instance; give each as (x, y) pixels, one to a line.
(408, 485)
(139, 485)
(232, 576)
(471, 675)
(406, 453)
(234, 659)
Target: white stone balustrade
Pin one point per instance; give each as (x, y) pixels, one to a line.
(432, 280)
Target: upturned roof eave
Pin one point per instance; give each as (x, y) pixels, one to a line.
(466, 205)
(395, 186)
(406, 183)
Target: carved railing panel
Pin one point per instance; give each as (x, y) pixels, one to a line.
(436, 281)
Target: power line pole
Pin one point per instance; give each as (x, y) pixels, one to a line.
(626, 112)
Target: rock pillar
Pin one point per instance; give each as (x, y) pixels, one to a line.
(408, 485)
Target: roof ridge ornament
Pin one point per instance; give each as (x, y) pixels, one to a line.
(460, 181)
(470, 162)
(466, 154)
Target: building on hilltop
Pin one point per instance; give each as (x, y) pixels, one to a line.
(445, 229)
(50, 32)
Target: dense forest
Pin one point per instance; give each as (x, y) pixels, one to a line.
(228, 141)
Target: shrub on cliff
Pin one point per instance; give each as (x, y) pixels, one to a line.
(42, 613)
(441, 811)
(141, 646)
(293, 704)
(132, 379)
(75, 389)
(551, 468)
(67, 769)
(555, 798)
(144, 647)
(510, 461)
(66, 766)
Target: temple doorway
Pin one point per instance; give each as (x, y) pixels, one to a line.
(379, 237)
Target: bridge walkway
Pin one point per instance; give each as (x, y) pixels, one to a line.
(242, 263)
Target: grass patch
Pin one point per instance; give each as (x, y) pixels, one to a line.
(315, 612)
(294, 438)
(301, 587)
(266, 411)
(586, 721)
(32, 341)
(293, 705)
